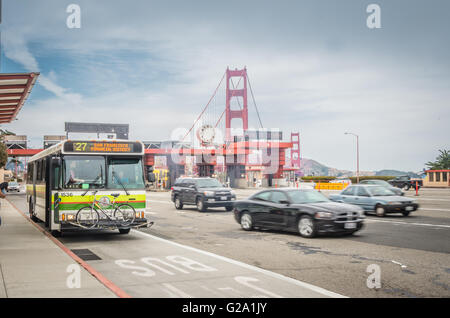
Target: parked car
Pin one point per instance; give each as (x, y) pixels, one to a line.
(203, 192)
(385, 184)
(307, 212)
(405, 182)
(374, 198)
(13, 186)
(340, 180)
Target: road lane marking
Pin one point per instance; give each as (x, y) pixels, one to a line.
(429, 199)
(409, 223)
(247, 266)
(430, 209)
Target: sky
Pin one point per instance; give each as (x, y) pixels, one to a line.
(314, 67)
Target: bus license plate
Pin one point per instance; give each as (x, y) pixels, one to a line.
(350, 225)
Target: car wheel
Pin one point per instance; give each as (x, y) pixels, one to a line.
(405, 213)
(178, 203)
(406, 187)
(307, 227)
(380, 211)
(246, 222)
(201, 205)
(124, 231)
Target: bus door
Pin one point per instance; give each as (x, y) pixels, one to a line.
(48, 191)
(33, 193)
(52, 183)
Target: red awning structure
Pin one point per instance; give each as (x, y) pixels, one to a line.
(14, 91)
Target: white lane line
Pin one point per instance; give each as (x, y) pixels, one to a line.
(430, 209)
(159, 201)
(409, 223)
(250, 267)
(429, 199)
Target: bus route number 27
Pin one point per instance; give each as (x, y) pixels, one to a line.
(80, 146)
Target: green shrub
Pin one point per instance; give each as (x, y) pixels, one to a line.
(385, 178)
(353, 179)
(318, 178)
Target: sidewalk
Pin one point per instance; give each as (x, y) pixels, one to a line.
(32, 265)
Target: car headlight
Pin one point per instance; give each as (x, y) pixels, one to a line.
(324, 215)
(208, 193)
(233, 192)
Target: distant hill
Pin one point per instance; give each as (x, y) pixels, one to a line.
(310, 167)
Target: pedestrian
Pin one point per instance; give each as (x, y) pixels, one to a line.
(3, 187)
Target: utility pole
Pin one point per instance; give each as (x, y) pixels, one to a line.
(357, 154)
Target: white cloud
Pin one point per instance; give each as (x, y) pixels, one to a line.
(300, 83)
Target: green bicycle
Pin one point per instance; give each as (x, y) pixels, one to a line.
(123, 214)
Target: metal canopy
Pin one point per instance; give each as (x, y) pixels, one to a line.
(14, 91)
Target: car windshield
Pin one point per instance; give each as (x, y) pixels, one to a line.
(13, 184)
(125, 173)
(81, 172)
(208, 183)
(300, 197)
(380, 183)
(379, 191)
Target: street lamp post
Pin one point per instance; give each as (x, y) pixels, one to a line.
(357, 154)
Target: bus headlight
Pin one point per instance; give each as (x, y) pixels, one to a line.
(70, 217)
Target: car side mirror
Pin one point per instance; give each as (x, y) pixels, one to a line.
(285, 202)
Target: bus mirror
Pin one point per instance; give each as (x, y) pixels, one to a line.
(56, 162)
(151, 177)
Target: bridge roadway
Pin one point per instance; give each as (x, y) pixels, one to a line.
(192, 254)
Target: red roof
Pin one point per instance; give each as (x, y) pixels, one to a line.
(444, 170)
(14, 91)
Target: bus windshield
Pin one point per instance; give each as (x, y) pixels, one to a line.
(82, 170)
(125, 173)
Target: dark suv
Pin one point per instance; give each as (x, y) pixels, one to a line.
(202, 192)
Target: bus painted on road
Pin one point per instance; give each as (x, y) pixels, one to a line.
(95, 176)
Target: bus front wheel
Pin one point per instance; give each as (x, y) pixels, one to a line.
(31, 211)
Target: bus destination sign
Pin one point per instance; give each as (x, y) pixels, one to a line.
(102, 147)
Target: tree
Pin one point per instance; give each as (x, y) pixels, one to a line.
(3, 155)
(442, 161)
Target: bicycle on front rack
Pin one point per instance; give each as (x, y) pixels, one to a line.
(123, 214)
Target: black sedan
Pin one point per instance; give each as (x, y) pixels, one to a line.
(307, 212)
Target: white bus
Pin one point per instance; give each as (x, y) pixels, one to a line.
(88, 184)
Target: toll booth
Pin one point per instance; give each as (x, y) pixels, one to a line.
(15, 142)
(51, 140)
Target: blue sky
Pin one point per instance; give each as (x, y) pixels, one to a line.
(314, 67)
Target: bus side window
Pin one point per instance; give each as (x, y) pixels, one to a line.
(30, 172)
(43, 165)
(38, 171)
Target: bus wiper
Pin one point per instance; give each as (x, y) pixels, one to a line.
(120, 182)
(100, 176)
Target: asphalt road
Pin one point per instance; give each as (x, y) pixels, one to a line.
(411, 252)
